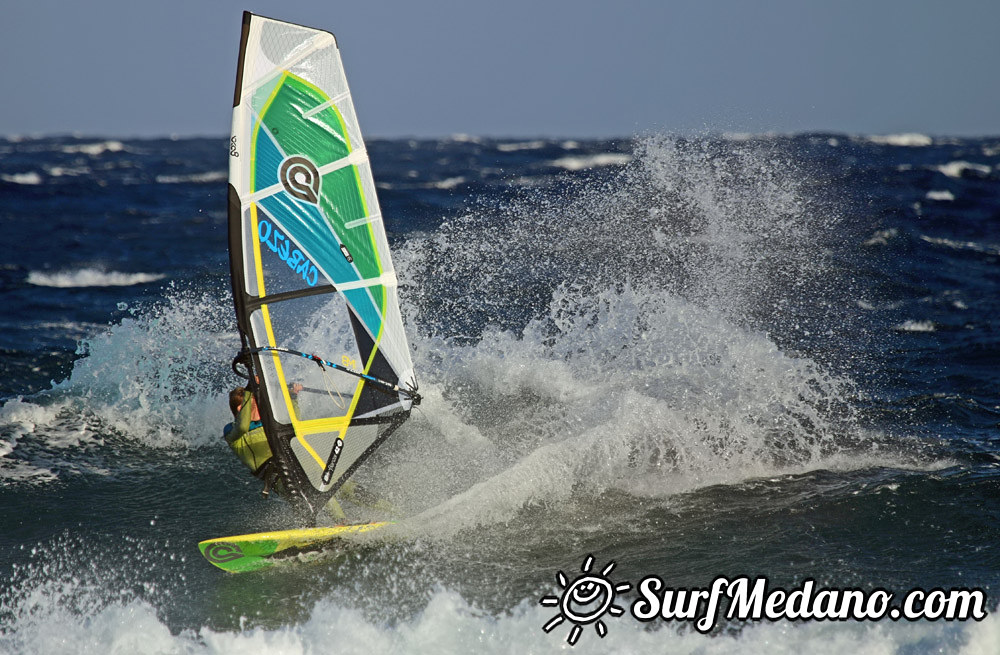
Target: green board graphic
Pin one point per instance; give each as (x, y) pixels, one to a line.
(253, 552)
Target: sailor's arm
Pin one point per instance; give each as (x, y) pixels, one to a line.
(293, 394)
(242, 425)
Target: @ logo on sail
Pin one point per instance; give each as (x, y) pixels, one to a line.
(300, 178)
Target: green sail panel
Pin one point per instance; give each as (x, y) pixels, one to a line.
(322, 137)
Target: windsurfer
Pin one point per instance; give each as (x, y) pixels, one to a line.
(246, 437)
(246, 434)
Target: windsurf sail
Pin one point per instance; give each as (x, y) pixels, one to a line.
(313, 281)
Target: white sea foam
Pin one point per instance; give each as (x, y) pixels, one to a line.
(71, 329)
(521, 145)
(90, 277)
(63, 171)
(94, 149)
(675, 381)
(37, 441)
(962, 245)
(653, 388)
(31, 178)
(154, 379)
(916, 326)
(583, 162)
(957, 168)
(196, 178)
(605, 377)
(909, 139)
(449, 624)
(940, 196)
(465, 138)
(885, 306)
(692, 397)
(448, 183)
(881, 237)
(531, 181)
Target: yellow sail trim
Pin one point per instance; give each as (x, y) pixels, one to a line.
(317, 425)
(309, 449)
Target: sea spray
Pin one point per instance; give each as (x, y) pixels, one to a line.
(689, 400)
(617, 332)
(448, 623)
(160, 373)
(731, 227)
(156, 378)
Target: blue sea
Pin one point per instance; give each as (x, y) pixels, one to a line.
(691, 356)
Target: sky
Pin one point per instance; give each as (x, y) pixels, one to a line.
(521, 68)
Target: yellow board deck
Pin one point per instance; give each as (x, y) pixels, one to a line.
(252, 552)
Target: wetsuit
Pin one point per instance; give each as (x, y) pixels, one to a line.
(248, 441)
(247, 438)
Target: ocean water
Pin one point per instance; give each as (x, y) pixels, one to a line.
(693, 357)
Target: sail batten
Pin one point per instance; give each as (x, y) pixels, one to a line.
(310, 263)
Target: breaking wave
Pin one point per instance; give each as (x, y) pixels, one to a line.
(91, 277)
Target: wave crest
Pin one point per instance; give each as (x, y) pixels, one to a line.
(91, 277)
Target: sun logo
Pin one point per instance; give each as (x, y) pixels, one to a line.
(585, 601)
